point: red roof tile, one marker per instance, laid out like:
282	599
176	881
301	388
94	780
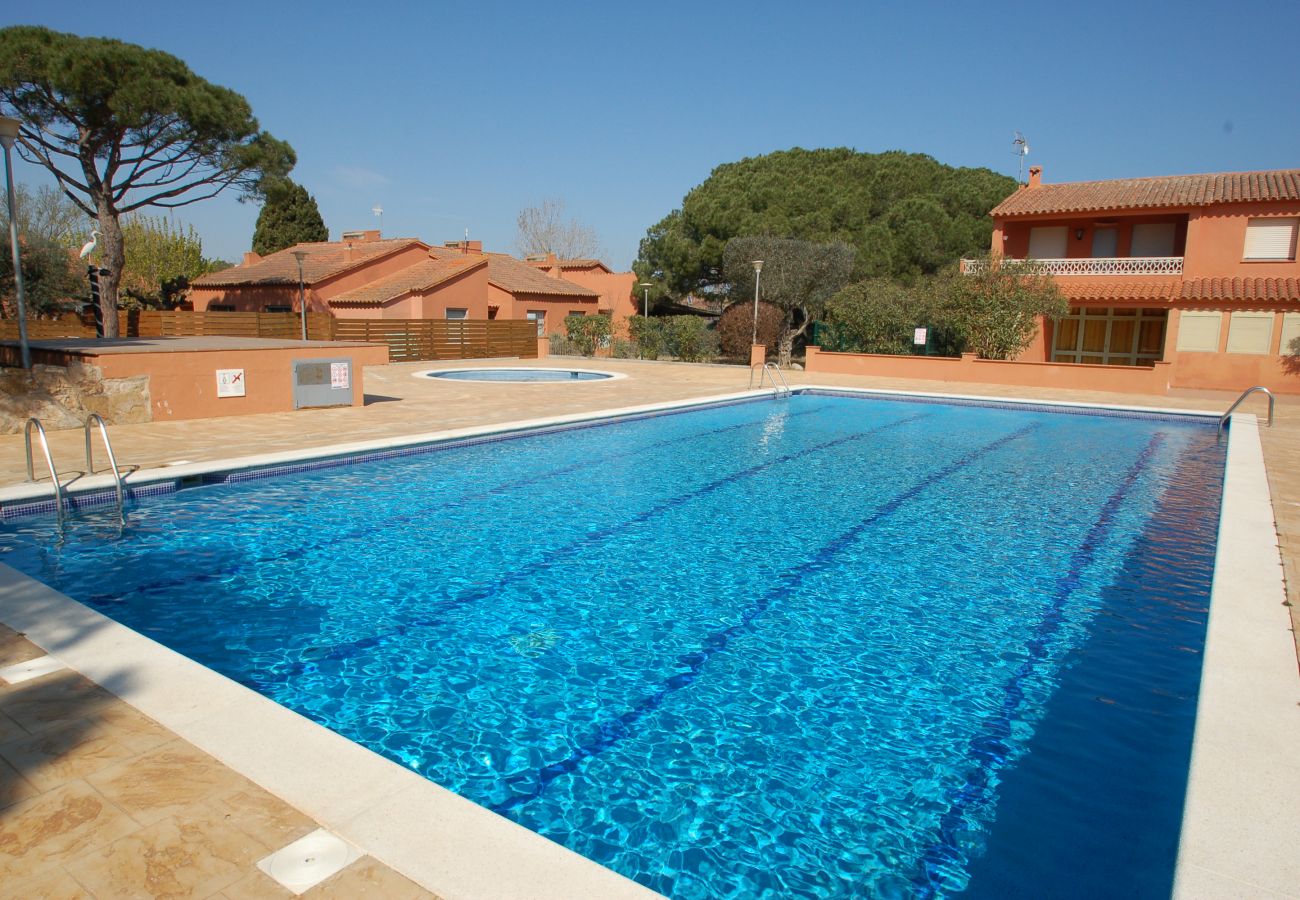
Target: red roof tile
1241	289
1107	289
324	260
419	277
519	277
1150	193
1192	289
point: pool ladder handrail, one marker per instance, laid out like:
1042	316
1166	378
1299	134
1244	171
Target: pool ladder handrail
97	419
771	372
1259	388
49	461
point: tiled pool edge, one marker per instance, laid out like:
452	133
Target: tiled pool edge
398	817
1243	779
443	842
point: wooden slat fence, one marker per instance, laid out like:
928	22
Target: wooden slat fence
407	339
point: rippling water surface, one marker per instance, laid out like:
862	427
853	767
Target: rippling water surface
825	646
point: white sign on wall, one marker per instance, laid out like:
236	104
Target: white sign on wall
918	337
340	376
230	382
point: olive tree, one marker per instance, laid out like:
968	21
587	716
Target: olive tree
122	127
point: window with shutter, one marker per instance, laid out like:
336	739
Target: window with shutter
1155	239
1270	239
1048	243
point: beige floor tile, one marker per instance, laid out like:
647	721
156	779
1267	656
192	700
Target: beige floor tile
10	730
56	884
15	648
14	788
57	826
368	878
59	755
195	853
265	817
164	781
257	885
52	700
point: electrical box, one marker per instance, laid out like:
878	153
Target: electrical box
322	382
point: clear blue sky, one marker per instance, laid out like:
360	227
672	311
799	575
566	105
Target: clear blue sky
457	115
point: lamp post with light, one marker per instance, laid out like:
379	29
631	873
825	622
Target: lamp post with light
645	303
300	255
8	135
758	273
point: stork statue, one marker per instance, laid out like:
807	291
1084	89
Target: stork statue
90	245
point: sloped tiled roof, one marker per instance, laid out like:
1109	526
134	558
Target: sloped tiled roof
519	277
1151	193
570	264
418	277
1191	289
324	260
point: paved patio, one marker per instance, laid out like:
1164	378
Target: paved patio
97	799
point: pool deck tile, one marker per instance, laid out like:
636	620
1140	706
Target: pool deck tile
96	797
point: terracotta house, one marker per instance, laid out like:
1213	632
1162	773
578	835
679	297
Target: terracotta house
1197	271
363	275
618	297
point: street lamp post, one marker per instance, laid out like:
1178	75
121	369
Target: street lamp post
8	135
300	255
758	273
645	303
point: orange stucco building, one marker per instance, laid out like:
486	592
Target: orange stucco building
617	290
366	276
1196	271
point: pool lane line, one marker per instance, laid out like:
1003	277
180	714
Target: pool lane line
367	531
483	592
612	732
988	751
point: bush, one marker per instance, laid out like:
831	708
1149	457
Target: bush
562	346
880	316
648	335
997	308
690	339
587	333
622	348
735	328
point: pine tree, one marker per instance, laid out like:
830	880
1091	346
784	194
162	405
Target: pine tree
289	216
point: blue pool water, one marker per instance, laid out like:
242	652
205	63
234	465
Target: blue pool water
519	375
825	646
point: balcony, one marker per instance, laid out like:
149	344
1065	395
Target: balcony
1119	265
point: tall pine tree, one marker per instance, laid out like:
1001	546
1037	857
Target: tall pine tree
289	216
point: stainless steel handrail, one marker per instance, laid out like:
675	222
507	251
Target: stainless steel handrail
772	372
1223	419
49	461
112	460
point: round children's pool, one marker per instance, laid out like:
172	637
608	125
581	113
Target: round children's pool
519	375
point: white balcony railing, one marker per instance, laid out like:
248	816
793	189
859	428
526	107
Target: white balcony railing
1120	265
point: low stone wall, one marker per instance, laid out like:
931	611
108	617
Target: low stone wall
62	397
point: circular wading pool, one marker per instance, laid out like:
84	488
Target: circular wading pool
519	375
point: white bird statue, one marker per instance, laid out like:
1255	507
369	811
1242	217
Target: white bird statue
90	245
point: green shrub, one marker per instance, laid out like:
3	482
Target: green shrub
690	339
648	335
588	333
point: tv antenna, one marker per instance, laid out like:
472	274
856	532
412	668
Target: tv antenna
1021	150
379	214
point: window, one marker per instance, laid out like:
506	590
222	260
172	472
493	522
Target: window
539	316
1105	243
1110	337
1290	333
1250	332
1199	331
1048	243
1153	240
457	314
1270	239
221	307
277	308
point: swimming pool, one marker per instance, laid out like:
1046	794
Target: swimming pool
792	647
518	375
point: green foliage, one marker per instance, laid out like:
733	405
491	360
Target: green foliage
735	328
122	127
996	309
798	278
587	333
880	316
161	260
52	281
689	338
648	335
289	216
905	213
46	214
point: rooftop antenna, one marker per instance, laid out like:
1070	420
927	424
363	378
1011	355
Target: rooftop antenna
1021	150
379	214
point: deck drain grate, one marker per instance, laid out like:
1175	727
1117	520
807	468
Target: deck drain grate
33	668
309	860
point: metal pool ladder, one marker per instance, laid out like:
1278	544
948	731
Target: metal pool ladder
1223	419
97	419
49	461
770	372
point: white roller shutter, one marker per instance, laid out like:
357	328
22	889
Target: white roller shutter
1156	239
1048	243
1270	239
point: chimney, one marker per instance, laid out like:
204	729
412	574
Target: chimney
250	257
1035	176
349	253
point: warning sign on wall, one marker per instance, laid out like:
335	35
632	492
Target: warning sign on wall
230	382
340	376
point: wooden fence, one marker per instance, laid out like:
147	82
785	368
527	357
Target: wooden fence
407	339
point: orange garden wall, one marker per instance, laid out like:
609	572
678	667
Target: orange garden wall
183	383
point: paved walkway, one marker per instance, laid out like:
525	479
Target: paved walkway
97	799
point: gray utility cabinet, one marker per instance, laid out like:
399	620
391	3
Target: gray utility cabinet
322	382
